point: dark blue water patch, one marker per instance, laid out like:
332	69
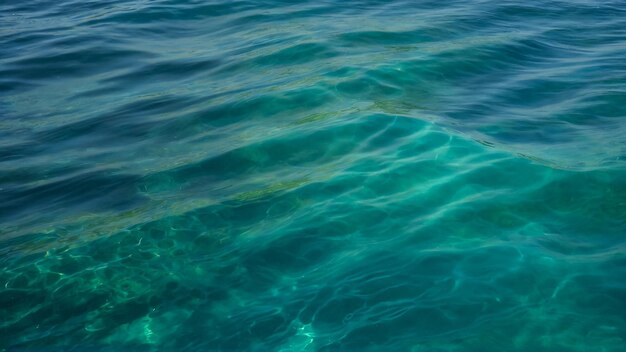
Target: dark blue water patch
68	64
176	11
166	71
78	193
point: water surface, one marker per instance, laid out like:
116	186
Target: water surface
312	176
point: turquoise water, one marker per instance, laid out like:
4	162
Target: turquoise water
312	176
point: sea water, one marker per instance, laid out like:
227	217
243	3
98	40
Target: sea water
272	175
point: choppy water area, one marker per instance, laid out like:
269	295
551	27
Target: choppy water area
312	176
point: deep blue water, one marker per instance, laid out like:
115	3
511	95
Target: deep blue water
312	176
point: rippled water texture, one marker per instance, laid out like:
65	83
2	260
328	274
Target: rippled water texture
312	176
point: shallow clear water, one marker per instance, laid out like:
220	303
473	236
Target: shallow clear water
313	176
